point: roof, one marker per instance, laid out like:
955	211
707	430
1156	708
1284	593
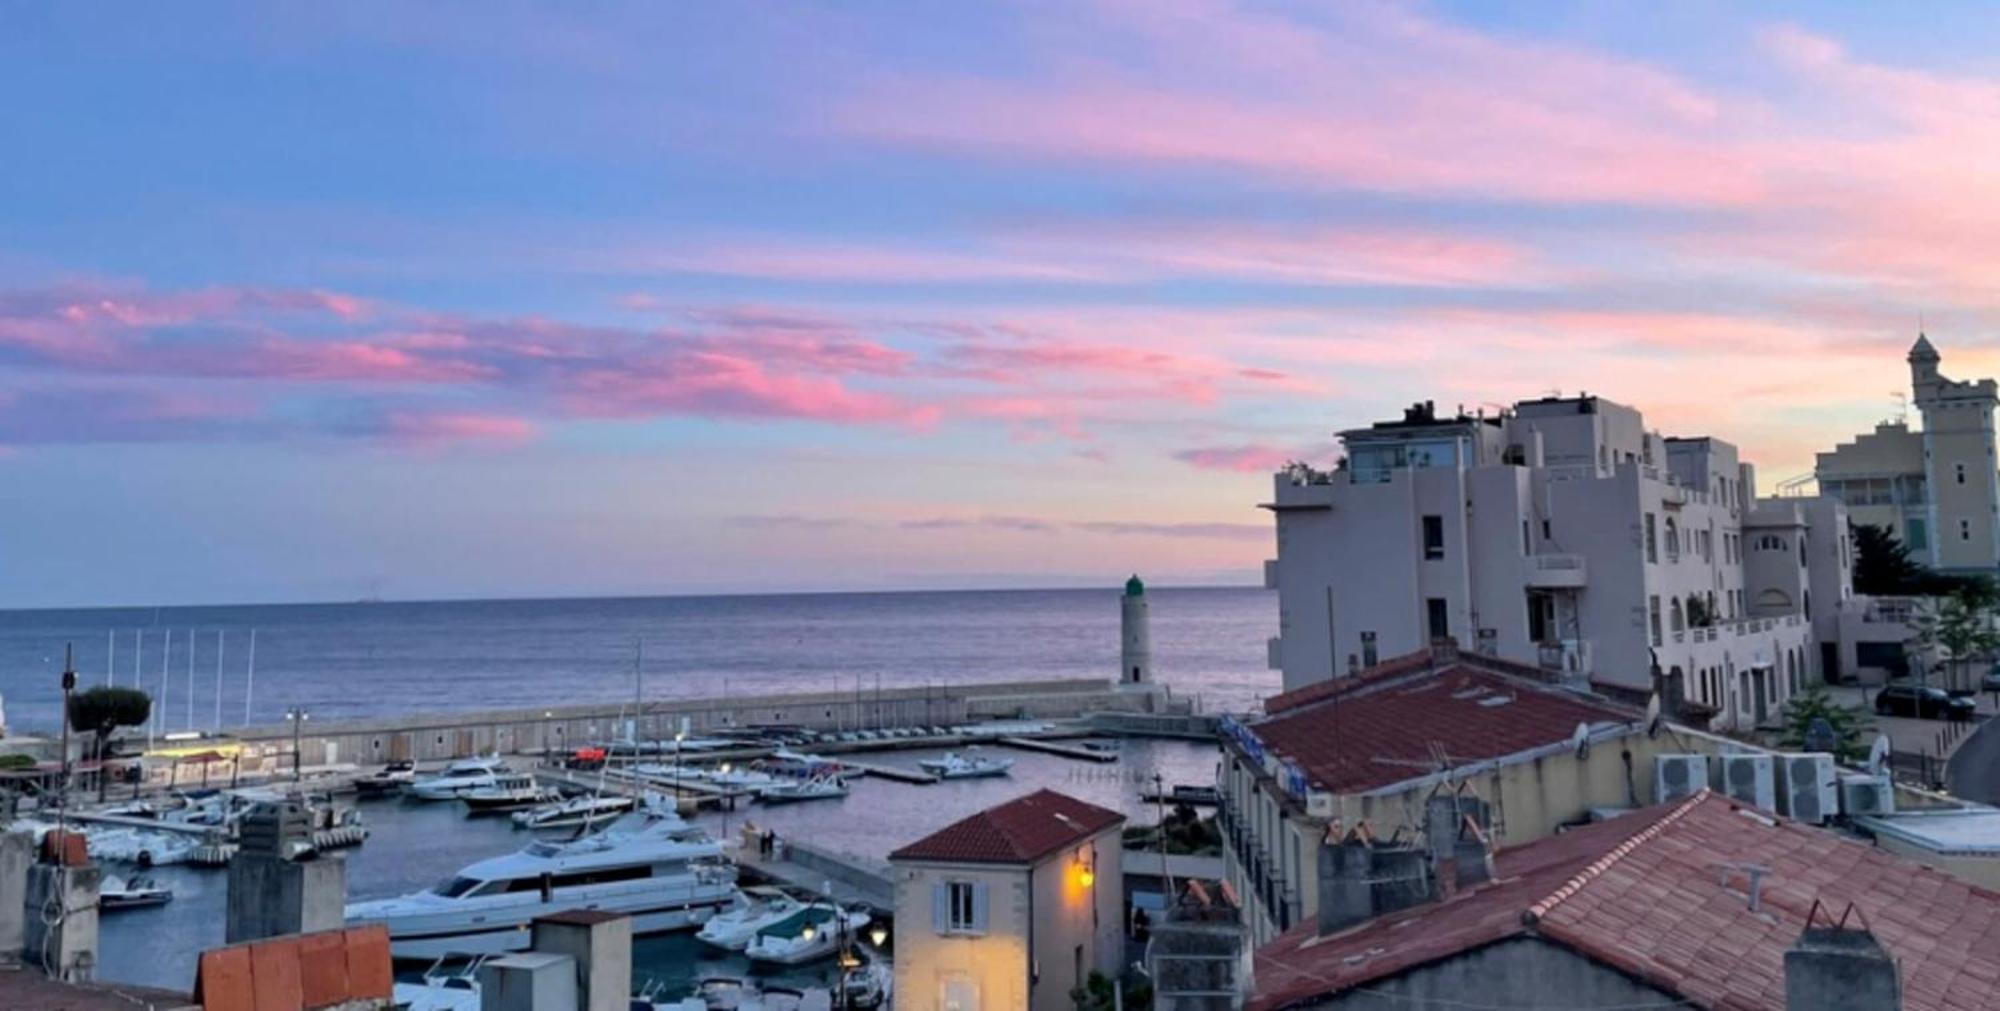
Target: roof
1382	726
1021	831
32	991
1645	894
1922	347
1971	831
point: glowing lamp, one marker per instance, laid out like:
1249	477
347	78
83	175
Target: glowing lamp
879	934
807	933
1088	876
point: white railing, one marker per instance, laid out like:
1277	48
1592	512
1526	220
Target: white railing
1556	563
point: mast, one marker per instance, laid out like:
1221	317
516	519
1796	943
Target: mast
160	705
218	679
110	656
250	677
190	699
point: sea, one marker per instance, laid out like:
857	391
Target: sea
378	659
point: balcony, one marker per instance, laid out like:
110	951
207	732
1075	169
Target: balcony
1569	656
1556	572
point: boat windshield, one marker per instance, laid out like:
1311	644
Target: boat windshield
452	888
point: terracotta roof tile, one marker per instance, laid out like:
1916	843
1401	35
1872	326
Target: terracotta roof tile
1020	831
1598	891
1380	730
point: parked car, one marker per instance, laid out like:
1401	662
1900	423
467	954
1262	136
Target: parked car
1991	682
1923	703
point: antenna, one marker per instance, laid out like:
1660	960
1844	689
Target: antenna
1579	741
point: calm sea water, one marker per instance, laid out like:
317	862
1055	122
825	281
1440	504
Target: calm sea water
348	660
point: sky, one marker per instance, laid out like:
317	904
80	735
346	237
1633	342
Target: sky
327	301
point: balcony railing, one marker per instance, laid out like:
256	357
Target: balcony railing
1557	571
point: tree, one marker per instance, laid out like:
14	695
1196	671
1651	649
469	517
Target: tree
1096	994
1960	628
1882	565
100	711
1803	709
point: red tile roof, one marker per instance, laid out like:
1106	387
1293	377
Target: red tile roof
1021	831
1645	894
1383	726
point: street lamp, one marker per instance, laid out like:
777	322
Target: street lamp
297	716
679	735
878	933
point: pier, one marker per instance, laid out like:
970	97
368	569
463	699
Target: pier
1075	751
855	880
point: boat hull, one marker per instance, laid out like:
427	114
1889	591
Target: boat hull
433	935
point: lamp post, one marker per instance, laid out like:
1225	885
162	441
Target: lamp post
679	735
297	716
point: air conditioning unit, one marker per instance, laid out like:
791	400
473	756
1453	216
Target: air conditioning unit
1677	776
1812	787
1862	794
1749	779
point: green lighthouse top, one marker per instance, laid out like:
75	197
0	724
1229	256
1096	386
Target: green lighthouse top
1135	588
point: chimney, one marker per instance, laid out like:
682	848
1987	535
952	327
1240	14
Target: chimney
1459	849
1841	968
1360	879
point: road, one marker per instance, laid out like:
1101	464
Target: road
1974	770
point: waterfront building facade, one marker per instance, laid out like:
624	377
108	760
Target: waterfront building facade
1010	908
1938	489
1559	533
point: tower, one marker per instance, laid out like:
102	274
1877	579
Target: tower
1962	485
1136	667
1924	377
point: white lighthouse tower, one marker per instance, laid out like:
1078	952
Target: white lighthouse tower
1137	656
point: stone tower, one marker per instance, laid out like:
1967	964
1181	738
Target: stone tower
1960	471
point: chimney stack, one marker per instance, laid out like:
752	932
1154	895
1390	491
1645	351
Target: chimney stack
1360	879
1840	968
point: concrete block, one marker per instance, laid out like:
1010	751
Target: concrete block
68	896
528	981
17	853
601	944
269	897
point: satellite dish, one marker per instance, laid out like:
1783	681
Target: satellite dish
1580	741
1653	715
1878	755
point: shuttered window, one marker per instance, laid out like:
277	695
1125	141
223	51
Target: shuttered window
958	907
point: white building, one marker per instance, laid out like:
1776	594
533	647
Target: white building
1937	490
1011	908
1560	533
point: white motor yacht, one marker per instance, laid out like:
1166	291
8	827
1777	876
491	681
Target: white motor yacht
813	932
130	893
459	777
649	865
755	909
514	791
442	989
588	809
955	765
793	791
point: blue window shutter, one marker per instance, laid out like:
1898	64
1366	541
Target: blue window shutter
979	908
940	908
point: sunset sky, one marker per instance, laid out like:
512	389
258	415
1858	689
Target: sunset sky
321	301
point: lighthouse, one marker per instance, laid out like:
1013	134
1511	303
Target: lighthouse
1137	656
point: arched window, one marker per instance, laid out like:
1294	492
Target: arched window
1673	540
1774	601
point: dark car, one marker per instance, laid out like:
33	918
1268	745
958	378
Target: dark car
1922	702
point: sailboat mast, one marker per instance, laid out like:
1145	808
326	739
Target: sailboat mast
218	679
250	677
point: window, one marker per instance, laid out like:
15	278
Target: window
1916	535
959	907
1546	534
1958	472
1653	613
1652	540
1673	540
1677	623
1802	549
1527	547
1964	530
1433	537
1438	615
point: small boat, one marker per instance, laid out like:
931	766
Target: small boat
734	927
513	791
143	848
459	777
583	810
131	893
812	933
442	989
867	985
958	766
725	993
392	779
815	788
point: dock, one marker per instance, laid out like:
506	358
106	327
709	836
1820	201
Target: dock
900	775
1075	751
855	880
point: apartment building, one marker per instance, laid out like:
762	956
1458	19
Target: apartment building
1560	533
1938	489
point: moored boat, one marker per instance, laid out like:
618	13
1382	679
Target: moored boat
588	809
794	791
458	778
955	765
515	791
755	909
131	893
814	932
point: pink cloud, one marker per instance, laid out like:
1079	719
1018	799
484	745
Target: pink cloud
1251	459
426	429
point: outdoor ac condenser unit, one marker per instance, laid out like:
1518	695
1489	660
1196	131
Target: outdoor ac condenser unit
1749	779
1812	789
1862	795
1677	776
